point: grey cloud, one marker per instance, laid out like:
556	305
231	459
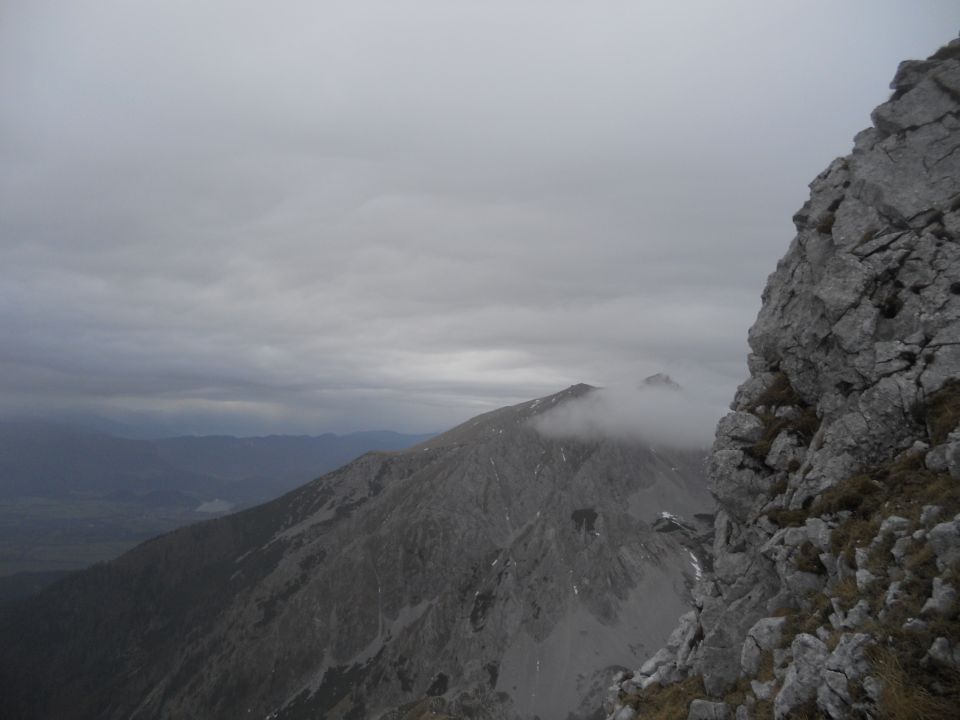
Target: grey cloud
344	215
657	415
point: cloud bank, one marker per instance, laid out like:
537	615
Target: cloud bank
657	415
345	215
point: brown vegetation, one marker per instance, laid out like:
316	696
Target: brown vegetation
942	411
781	394
905	696
670	702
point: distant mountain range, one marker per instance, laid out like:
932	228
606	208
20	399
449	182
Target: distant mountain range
71	496
39	459
490	572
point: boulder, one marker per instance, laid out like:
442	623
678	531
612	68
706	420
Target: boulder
848	662
706	710
804	675
942	600
763	637
944	539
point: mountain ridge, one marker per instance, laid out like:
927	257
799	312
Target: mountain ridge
490	568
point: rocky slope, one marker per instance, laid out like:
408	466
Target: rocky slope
837	475
489	572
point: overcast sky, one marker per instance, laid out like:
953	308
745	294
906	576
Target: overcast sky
328	216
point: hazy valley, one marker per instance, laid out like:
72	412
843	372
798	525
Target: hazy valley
70	497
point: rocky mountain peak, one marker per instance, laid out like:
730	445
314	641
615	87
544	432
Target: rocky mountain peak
837	475
661	380
506	419
490	572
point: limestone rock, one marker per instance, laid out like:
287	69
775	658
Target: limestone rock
762	637
900	548
929	513
952	454
818	532
942	600
763	690
865	579
847	663
895	525
945	541
859	326
803	676
705	710
945	653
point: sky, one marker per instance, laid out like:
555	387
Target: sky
248	217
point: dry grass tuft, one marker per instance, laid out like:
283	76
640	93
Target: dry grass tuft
783	517
853	534
765	671
906	696
942	411
781	394
825	225
738	695
806	711
778	488
849	495
846	592
804	427
900	487
670	702
762	710
807	620
807	559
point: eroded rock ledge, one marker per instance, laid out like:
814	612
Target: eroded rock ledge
837	475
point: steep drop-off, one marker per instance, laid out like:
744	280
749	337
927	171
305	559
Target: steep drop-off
837	540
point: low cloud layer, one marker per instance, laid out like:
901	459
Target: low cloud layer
345	215
656	415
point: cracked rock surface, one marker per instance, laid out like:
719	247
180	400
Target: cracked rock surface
836	544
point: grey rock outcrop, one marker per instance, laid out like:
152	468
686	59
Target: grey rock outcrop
803	676
846	664
846	427
945	541
763	637
704	710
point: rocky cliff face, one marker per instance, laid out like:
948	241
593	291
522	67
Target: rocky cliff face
837	475
490	572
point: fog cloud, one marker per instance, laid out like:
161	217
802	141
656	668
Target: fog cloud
658	415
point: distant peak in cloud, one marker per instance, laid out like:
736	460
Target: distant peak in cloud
660	380
658	411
